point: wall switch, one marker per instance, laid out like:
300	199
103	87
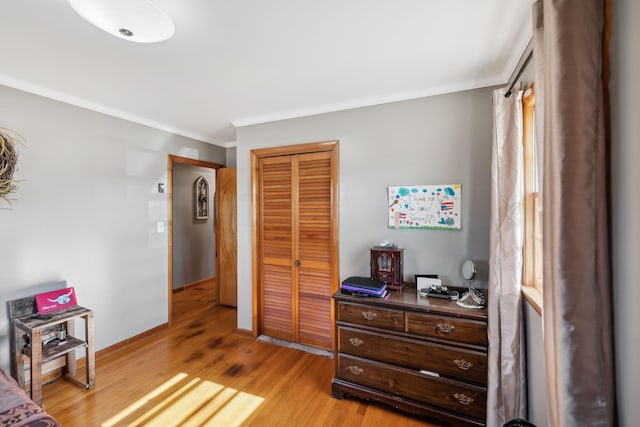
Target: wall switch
160	187
160	226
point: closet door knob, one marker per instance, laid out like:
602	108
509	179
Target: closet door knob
297	263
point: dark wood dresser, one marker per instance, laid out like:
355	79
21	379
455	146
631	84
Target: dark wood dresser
426	356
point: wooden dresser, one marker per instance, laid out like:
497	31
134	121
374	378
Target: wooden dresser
426	356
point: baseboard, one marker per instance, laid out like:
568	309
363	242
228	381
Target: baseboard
245	333
137	338
52	370
129	341
193	284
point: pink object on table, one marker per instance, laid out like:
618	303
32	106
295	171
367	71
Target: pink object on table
56	300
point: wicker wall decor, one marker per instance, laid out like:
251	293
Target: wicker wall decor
8	160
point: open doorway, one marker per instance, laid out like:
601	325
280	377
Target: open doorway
191	230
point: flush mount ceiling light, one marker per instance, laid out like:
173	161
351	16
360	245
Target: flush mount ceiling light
135	20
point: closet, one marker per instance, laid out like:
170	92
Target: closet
297	260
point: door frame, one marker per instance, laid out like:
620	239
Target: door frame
256	156
171	159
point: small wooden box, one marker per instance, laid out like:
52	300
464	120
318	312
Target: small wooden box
386	266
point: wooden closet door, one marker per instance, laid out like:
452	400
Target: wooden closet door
296	247
276	274
314	249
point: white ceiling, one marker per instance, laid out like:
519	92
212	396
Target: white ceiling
238	62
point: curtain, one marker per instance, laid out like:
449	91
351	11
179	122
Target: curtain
506	388
577	310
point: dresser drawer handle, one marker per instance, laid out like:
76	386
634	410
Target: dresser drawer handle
463	399
465	365
445	327
369	315
356	342
355	370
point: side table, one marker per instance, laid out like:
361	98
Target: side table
28	340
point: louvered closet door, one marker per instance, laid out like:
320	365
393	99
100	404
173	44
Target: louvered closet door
277	251
314	249
296	273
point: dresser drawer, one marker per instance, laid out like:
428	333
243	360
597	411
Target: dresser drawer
371	316
445	360
450	328
462	398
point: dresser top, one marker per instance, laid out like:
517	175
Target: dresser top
408	298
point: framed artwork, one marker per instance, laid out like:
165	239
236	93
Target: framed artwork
435	207
201	198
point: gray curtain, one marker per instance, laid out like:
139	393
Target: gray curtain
506	388
577	312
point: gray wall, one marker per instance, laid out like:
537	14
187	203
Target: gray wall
194	240
87	211
625	109
231	157
437	140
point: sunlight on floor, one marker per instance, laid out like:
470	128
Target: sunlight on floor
184	401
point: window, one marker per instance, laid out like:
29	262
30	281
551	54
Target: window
532	271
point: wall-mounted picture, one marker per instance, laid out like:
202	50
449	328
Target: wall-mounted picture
435	207
201	198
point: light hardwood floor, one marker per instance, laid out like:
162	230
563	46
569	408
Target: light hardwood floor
201	373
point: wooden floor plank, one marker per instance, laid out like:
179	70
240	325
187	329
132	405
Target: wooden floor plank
200	372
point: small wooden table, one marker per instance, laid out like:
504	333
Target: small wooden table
28	340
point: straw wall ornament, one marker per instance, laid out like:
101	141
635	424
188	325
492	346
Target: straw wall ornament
8	161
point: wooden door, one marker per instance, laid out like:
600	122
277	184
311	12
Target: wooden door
314	249
298	248
277	247
226	246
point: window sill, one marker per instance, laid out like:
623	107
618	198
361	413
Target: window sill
533	297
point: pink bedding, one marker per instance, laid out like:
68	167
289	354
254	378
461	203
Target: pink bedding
17	409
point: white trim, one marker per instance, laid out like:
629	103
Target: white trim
367	102
114	112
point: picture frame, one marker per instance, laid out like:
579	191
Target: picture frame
201	198
426	280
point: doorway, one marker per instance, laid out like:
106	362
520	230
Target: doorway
184	259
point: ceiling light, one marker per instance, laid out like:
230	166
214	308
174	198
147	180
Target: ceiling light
135	20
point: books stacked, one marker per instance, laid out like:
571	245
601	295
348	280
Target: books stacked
364	287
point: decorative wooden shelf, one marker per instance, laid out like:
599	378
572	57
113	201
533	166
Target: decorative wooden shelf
56	348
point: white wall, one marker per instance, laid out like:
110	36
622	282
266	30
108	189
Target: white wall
194	240
437	140
86	213
625	110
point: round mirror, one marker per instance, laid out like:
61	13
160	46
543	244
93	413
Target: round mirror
469	270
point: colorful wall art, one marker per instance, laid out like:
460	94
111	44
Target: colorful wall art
435	207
